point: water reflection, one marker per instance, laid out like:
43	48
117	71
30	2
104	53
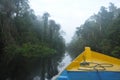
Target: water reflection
36	78
66	60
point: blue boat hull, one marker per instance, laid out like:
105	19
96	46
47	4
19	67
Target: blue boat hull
89	75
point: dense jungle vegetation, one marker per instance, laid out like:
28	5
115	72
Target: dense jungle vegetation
30	45
33	45
101	32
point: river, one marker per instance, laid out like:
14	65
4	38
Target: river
66	60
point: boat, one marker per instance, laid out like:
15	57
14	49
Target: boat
91	65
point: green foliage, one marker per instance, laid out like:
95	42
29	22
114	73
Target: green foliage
101	32
11	52
29	41
29	50
116	51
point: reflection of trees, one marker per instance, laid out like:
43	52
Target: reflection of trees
29	46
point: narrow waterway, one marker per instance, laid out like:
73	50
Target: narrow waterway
66	60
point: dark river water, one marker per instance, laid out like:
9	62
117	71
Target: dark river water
66	60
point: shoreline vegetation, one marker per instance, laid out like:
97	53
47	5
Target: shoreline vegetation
30	45
33	45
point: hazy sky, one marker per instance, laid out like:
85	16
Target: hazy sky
69	13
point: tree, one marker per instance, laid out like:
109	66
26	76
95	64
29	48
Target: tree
100	32
30	45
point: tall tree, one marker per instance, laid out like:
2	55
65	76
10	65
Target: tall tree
30	45
98	31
